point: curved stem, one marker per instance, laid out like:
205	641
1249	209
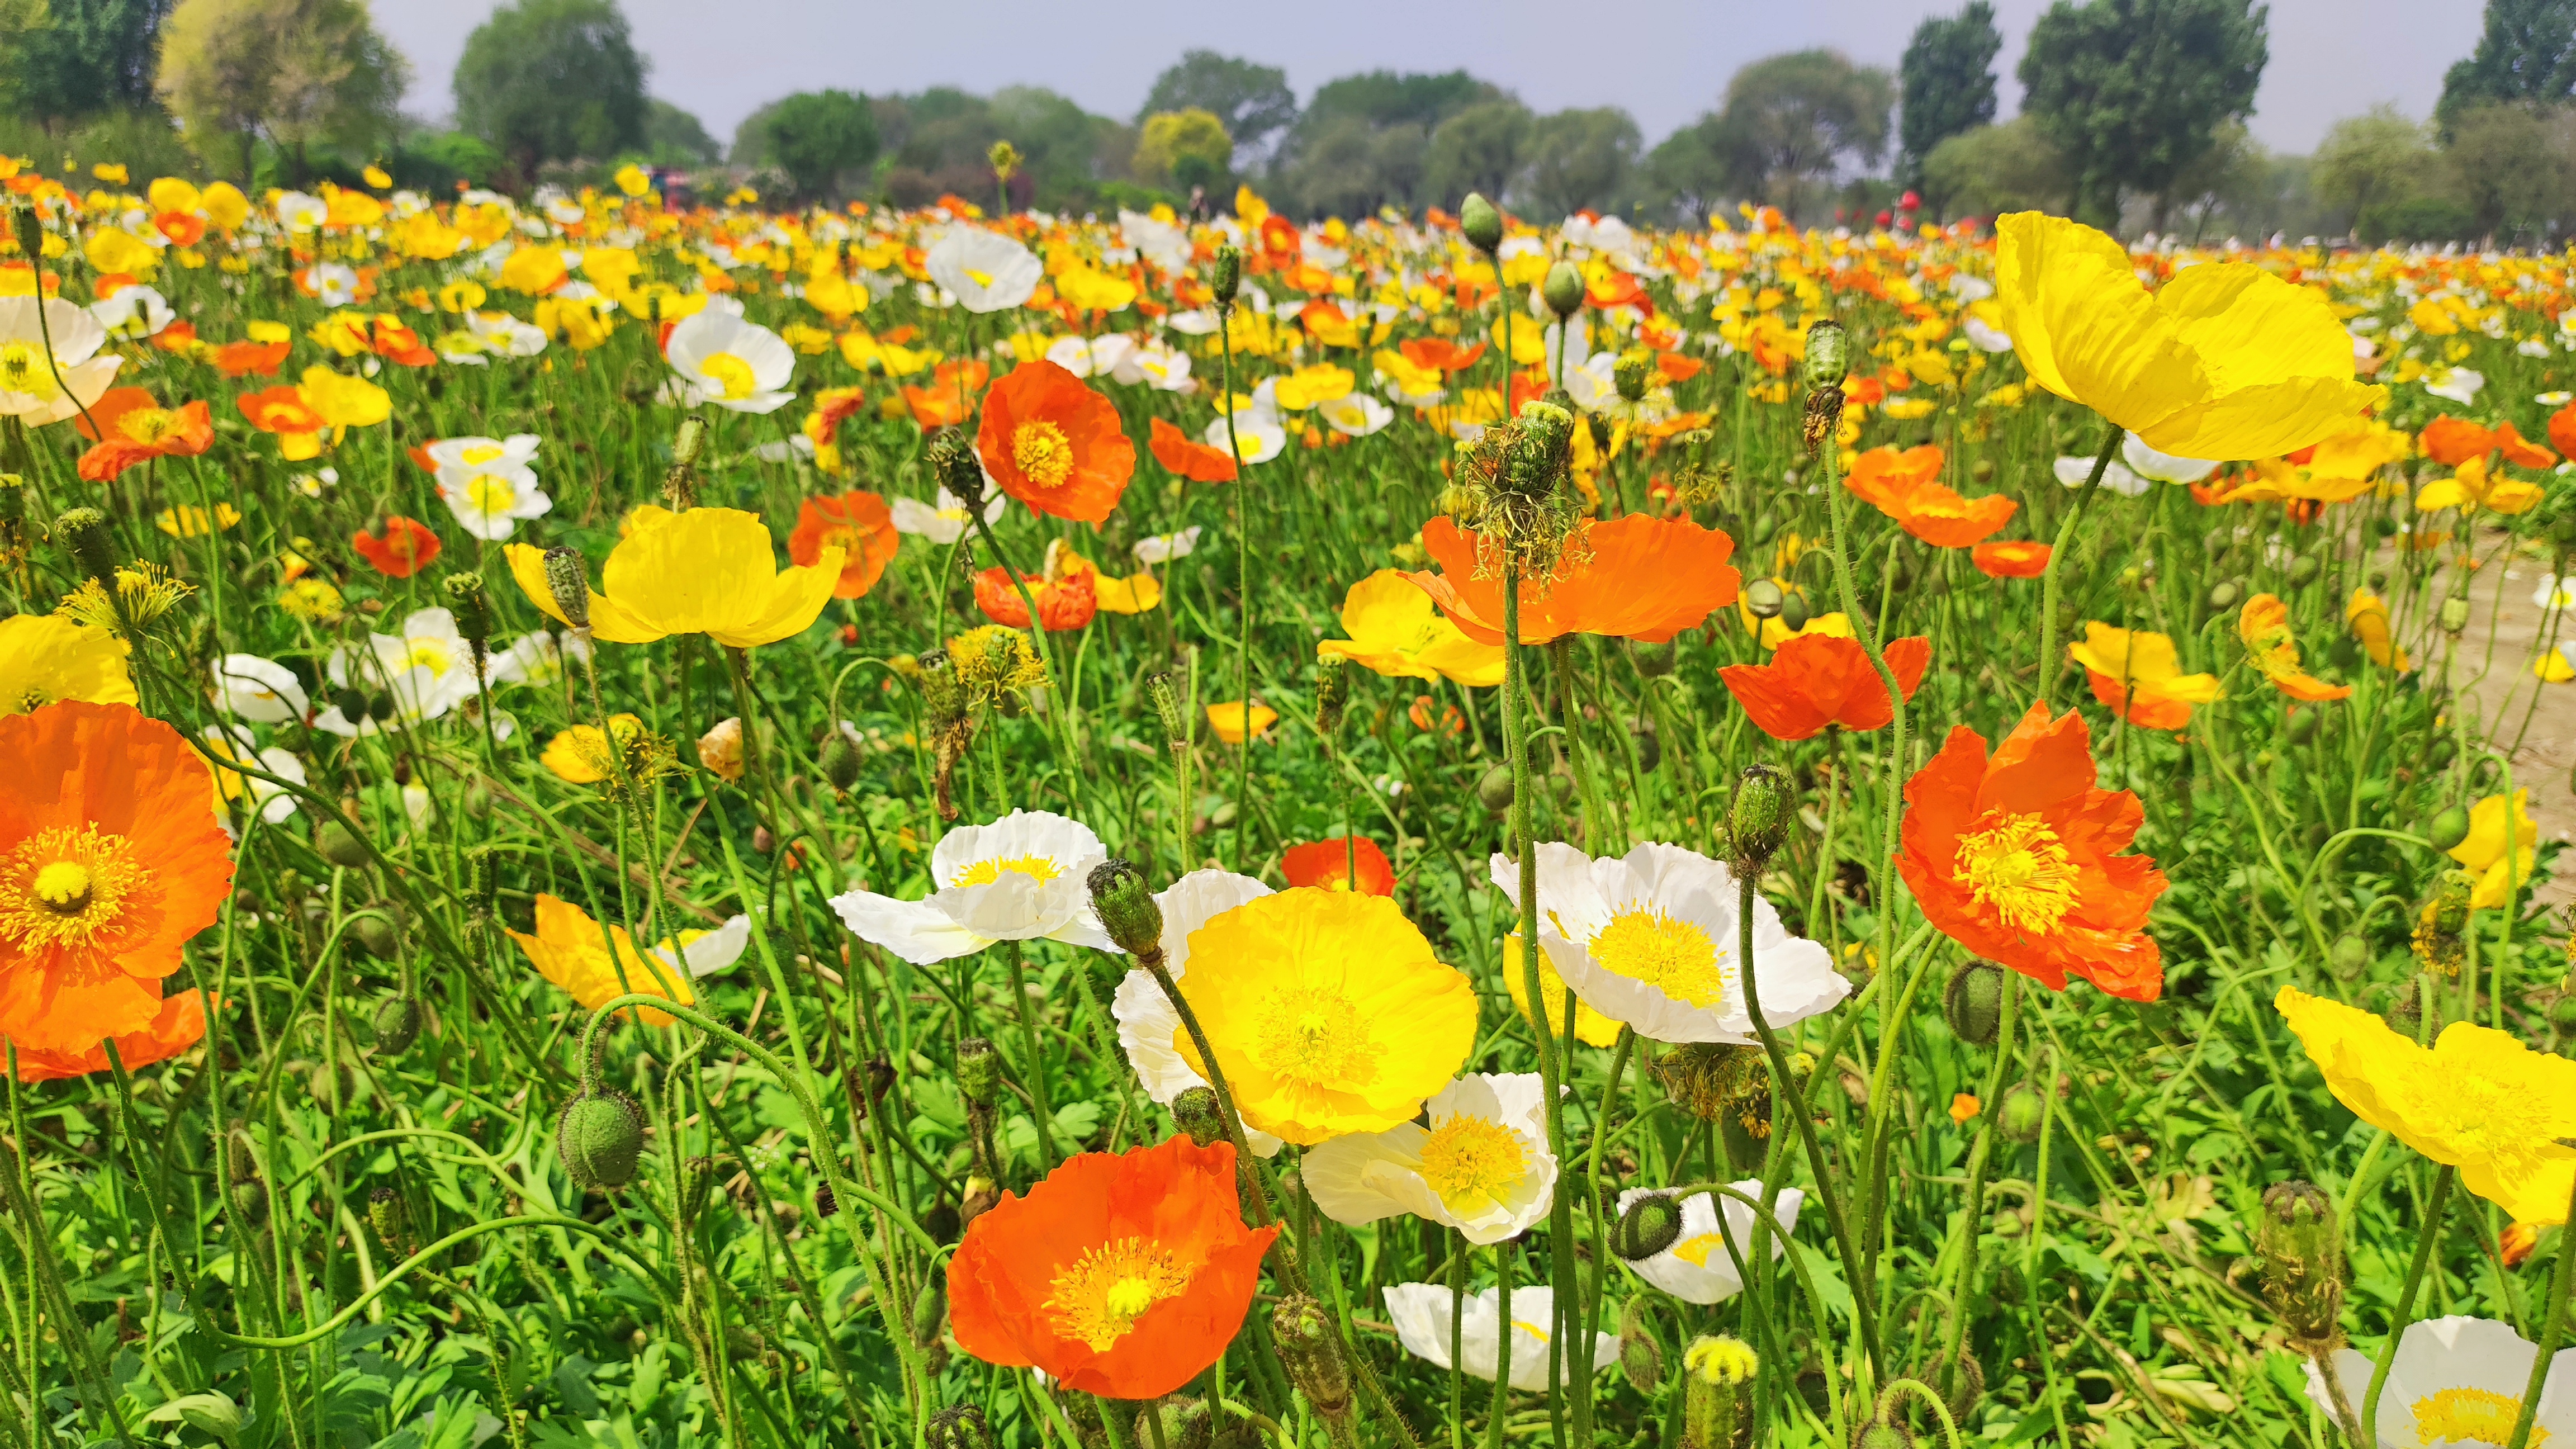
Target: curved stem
2553	1321
2424	1241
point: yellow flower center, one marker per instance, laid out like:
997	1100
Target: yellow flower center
1043	453
981	279
148	425
428	652
1696	1249
1038	868
1672	956
731	375
2020	871
476	457
1313	1036
1101	1295
842	537
25	368
2470	1416
1472	1159
490	494
64	886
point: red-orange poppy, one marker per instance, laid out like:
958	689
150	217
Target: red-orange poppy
2562	430
1634	577
1187	456
110	859
857	523
403	549
134	428
183	228
1328	863
179	336
238	359
2453	441
1123	1275
1279	237
2011	558
1815	680
1440	353
1677	367
2014	856
282	409
1054	444
1901	486
937	407
179	1025
1617	290
399	344
1066	603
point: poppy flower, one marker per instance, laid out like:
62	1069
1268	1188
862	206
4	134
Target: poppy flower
2475	486
2264	625
2457	1380
2337	470
1065	603
1054	444
2011	558
937	407
1121	1274
1397	631
239	359
2483	853
1329	864
860	525
1900	485
1638	577
1697	1266
2225	360
403	549
2013	855
2452	441
46	657
28	387
2139	676
1439	354
2562	429
179	1025
1815	680
2367	615
1481	1166
110	859
708	571
1134	594
1179	453
1426	1320
569	949
1018	879
1148	1026
1232	721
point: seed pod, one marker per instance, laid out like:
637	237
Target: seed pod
1764	598
1535	454
569	582
599	1137
1758	820
979	1071
473	611
1647	1226
1828	359
1717	1393
2024	1111
2455	614
2302	1248
1563	290
1128	911
391	1219
397	1024
84	532
340	845
1197	1112
1481	222
1973	1002
1310	1349
1494	790
1225	274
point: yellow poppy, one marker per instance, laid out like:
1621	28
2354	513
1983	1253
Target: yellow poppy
343	401
2141	674
2337	470
2473	487
1836	625
1397	631
1308	386
1229	720
2264	625
2225	361
570	950
2478	1100
50	657
579	756
2367	613
1590	1027
2483	849
710	571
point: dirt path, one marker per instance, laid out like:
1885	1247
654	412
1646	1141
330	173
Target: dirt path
2500	639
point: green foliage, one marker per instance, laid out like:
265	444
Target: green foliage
2376	159
1995	169
2512	166
552	80
819	137
1582	160
1182	148
1251	102
674	137
295	74
2526	52
62	60
1948	82
2133	91
1480	148
2417	219
1788	124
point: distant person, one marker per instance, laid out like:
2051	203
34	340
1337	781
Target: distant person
1198	203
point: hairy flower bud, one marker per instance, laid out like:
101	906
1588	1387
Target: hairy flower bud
2302	1248
2448	828
2024	1112
28	226
473	611
340	845
1563	290
391	1218
953	462
599	1137
1828	359
1647	1226
1310	1348
1758	821
1332	693
1717	1393
397	1024
1494	790
1197	1112
1165	693
1481	222
1127	909
2455	614
963	1427
84	532
1974	1002
569	582
840	762
1630	375
1641	1357
1225	274
979	1071
1005	158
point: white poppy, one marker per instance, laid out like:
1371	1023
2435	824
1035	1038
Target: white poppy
258	689
311	484
1155	365
334	284
944	520
134	312
1162	548
2554	399
297	211
1985	338
1355	414
704	953
489	500
2456	1381
506	335
1593	386
1194	322
462	349
29	391
1021	878
1148	1026
984	270
2146	462
427	670
1968	287
1256	432
1092	356
735	364
2459	384
1697	1268
1482	1166
2073	471
1650	939
1165	244
515	451
1421	1315
2532	347
539	658
270	800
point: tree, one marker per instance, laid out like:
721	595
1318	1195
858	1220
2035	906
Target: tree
68	59
1380	122
1948	82
1995	169
1692	171
817	136
1477	149
674	137
1582	160
2232	175
2134	90
1792	120
1182	148
2509	166
552	80
293	72
2378	158
2526	52
1251	102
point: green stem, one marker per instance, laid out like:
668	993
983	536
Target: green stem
2430	1234
2553	1321
2048	670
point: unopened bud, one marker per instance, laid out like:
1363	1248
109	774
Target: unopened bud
840	762
1795	611
28	226
391	1219
473	611
1717	1393
1332	692
599	1137
1165	692
2302	1250
1494	790
340	845
1563	290
1310	1347
1828	359
2455	614
1005	158
1764	598
979	1071
1630	373
1128	911
1647	1226
397	1024
953	462
2448	829
1641	1357
1758	821
1197	1113
84	532
1481	222
963	1427
569	582
1974	1003
1225	274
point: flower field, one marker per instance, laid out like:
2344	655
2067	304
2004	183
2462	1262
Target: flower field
708	824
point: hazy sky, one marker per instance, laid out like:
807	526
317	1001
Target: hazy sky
1665	60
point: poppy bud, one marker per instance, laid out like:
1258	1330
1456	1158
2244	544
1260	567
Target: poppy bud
250	1202
1795	612
1196	1112
377	937
599	1137
1563	290
341	846
84	532
2562	1014
689	441
1127	909
2024	1112
930	1310
1717	1393
1225	274
473	612
1332	692
397	1024
1959	1387
979	1071
1887	1433
1481	222
29	227
1534	457
2348	958
953	462
1494	790
1641	1358
2455	614
391	1219
1653	660
697	1184
1647	1226
1824	414
1974	1003
2303	570
482	880
2448	828
1629	375
1764	598
2302	1250
1758	822
1165	693
2223	596
962	1427
570	584
1828	356
840	762
1983	470
1310	1347
826	1202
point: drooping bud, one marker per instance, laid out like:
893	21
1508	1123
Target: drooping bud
840	762
1653	660
28	225
1641	1357
1127	909
84	532
1494	790
1974	1002
569	582
1764	598
2448	829
1225	274
473	611
1563	290
391	1219
1630	374
1828	359
2349	957
1310	1348
2302	1248
1332	693
397	1024
340	845
1758	821
1647	1226
1795	612
1481	222
599	1137
1197	1112
979	1071
963	1427
482	880
1960	1388
2023	1113
1717	1393
2455	614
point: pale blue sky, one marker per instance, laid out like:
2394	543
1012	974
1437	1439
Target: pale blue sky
1665	60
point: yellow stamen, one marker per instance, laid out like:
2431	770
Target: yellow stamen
731	375
2470	1416
1038	868
1673	956
1101	1295
1314	1036
1043	453
67	885
1470	1160
2020	871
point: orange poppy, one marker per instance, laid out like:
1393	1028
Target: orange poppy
134	428
2014	856
2011	558
235	359
1637	577
282	409
179	336
396	343
2453	441
110	859
2562	430
1328	863
1122	1274
859	524
1815	680
1440	353
403	549
180	1024
1055	445
1180	453
1676	367
182	228
2264	625
1065	603
1900	485
937	407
